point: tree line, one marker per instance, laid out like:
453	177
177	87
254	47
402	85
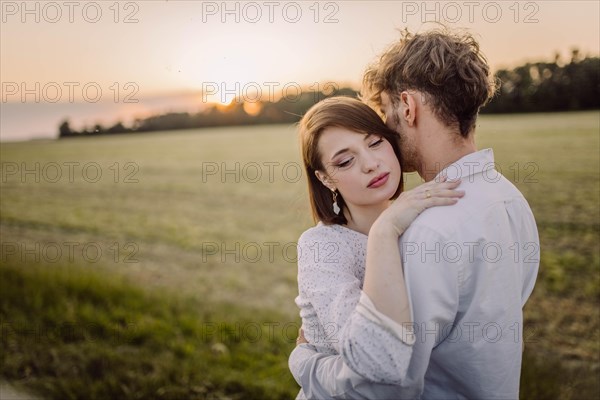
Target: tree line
532	87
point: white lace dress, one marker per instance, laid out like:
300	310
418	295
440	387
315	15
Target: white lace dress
331	270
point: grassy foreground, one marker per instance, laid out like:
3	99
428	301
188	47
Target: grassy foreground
78	334
173	274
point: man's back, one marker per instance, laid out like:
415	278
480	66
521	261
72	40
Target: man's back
469	270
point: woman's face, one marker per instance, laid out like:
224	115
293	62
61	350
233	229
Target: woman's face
363	168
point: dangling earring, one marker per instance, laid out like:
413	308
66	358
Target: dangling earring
336	208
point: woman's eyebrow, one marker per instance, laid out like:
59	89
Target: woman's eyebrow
367	136
339	152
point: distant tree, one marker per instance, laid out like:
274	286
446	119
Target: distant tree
64	130
542	86
97	130
118	128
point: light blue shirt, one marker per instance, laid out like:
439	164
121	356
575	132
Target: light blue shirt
469	269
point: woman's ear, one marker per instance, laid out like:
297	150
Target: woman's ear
324	180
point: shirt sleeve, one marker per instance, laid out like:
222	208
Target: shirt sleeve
376	351
325	376
366	308
522	216
374	359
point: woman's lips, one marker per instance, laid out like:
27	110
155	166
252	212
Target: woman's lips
379	180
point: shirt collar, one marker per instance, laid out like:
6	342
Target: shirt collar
471	164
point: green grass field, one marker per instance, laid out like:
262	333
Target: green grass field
163	265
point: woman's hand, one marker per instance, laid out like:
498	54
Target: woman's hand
301	339
403	211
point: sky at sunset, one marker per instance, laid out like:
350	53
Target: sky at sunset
104	60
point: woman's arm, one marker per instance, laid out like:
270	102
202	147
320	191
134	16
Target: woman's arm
366	341
384	277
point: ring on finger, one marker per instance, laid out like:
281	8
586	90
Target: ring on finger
427	194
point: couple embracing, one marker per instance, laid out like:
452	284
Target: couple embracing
418	293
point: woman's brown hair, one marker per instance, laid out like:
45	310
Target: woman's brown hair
342	112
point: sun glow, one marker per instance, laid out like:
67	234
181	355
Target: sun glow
232	64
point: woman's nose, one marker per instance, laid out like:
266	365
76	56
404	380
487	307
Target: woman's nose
370	163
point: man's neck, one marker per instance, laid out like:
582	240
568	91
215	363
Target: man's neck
442	149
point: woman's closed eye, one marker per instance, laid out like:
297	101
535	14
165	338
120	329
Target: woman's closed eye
376	143
344	163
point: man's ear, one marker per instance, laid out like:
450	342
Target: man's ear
325	180
408	107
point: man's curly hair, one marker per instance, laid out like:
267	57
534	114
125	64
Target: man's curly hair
447	67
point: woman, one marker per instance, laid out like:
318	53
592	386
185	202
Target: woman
352	163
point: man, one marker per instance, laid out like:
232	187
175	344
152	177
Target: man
468	268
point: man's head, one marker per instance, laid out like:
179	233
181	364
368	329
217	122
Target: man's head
436	74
